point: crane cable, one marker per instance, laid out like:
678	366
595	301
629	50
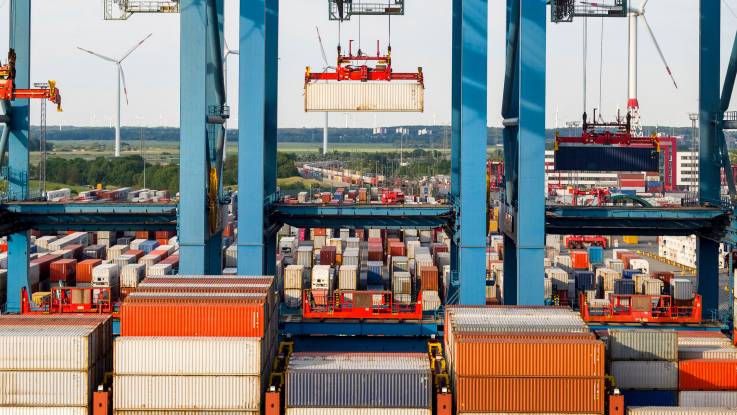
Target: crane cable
601	65
585	58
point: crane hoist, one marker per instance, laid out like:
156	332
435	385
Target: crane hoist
8	91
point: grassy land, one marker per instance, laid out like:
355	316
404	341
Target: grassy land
34	184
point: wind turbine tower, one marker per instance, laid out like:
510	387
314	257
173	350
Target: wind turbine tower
119	78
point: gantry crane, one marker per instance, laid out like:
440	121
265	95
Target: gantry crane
123	9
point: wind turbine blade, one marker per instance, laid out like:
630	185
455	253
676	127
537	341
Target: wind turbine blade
657	46
731	10
97	54
125	88
643	3
135	47
322	48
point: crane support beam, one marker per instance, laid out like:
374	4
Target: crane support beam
259	24
468	136
363	216
200	246
523	217
709	162
18	162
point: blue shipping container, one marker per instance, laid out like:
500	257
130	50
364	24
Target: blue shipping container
375	273
584	280
586	157
629	273
596	254
148	246
624	287
650	398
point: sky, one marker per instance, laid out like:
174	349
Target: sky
420	38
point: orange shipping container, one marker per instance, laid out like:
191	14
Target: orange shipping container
429	277
63	270
142	234
539	358
84	270
319	232
580	259
187	317
702	374
530	395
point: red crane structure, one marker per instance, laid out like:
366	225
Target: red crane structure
8	91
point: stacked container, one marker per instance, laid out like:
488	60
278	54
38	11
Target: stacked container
293	285
358	383
707	371
645	365
348	277
52	364
170	353
523	360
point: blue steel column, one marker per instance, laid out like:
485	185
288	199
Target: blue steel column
455	136
18	165
251	137
271	101
531	153
472	65
198	249
709	166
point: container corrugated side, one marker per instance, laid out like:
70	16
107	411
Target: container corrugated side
26	410
364	96
645	375
725	353
358	411
703	374
675	410
30	388
554	395
727	399
48	348
188	355
165	412
187	392
643	345
534	357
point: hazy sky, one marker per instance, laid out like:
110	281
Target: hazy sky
420	38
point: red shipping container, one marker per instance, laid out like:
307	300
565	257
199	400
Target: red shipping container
397	248
162	252
429	278
163	241
193	315
328	255
135	252
84	270
375	253
76	251
579	259
63	270
3	246
703	374
360	234
171	259
229	230
438	248
664	276
631	176
165	235
319	232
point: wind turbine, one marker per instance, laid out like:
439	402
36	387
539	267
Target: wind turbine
120	77
226	53
324	69
633	106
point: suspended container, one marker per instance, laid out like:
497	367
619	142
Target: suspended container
364	97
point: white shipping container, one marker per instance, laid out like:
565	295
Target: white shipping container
188	356
159	269
614	264
645	375
294	277
564	260
430	301
321	277
348	277
53	388
364	96
136	243
115	251
727	399
701	352
107	275
131	275
675	410
231	256
304	256
401	283
605	278
559	277
124	260
292	297
187	392
641	264
652	286
49	347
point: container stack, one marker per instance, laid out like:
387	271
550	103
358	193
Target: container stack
358	383
293	285
175	333
707	371
523	360
52	364
644	364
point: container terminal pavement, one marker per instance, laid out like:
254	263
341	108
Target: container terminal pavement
337	306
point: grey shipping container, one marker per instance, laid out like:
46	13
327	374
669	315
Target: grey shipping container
643	345
676	410
726	399
645	375
358	380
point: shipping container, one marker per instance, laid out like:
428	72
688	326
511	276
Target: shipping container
35	347
379	380
650	398
48	388
675	410
29	410
726	399
530	395
645	375
703	374
187	392
643	345
358	411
